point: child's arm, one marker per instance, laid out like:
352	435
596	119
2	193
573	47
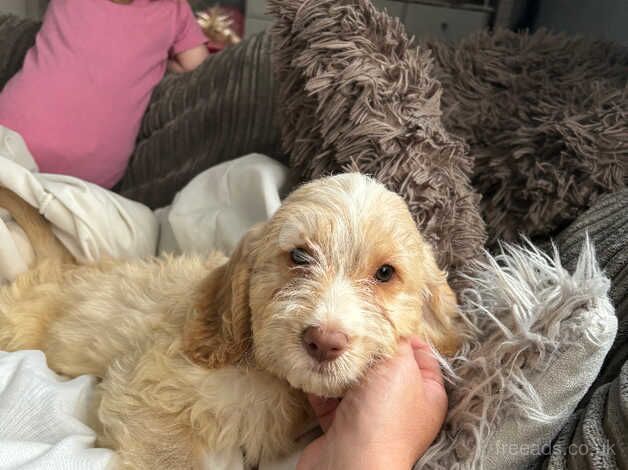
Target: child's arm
188	60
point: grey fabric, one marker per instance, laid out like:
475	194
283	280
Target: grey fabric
536	340
357	95
222	110
596	437
17	35
607	226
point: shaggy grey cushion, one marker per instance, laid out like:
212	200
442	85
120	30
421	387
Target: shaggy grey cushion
536	340
356	95
546	119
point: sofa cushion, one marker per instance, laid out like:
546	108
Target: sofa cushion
536	341
357	95
546	119
222	110
606	224
17	35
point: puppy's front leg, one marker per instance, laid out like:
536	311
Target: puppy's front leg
169	455
146	432
151	441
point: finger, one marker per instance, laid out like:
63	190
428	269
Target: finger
417	342
427	362
404	348
324	409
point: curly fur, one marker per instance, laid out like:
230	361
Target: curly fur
546	119
206	355
356	95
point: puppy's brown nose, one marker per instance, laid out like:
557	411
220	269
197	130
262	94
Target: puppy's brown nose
324	344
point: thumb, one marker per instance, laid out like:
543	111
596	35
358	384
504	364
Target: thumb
324	409
428	364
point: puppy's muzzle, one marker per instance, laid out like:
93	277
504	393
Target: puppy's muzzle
324	344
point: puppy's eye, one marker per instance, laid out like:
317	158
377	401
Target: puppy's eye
300	257
385	273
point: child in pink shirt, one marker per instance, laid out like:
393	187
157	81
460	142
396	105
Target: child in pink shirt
80	96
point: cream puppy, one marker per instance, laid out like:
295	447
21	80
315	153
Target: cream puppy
201	355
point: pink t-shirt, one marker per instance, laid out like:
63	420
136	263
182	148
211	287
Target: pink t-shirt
80	96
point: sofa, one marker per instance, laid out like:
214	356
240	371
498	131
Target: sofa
230	106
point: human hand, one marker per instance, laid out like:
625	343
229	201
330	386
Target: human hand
387	421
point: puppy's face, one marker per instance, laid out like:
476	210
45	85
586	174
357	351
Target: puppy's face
337	276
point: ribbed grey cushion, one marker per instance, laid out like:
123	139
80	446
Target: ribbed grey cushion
222	110
17	35
607	226
596	437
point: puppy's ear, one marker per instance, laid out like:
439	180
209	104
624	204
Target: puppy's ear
221	333
441	314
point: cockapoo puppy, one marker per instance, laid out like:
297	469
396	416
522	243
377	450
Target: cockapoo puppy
199	355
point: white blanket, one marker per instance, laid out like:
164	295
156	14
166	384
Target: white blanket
90	221
219	205
42	416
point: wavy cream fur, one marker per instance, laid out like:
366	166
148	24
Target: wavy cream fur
200	355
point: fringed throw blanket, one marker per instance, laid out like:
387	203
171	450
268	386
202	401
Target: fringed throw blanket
546	119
